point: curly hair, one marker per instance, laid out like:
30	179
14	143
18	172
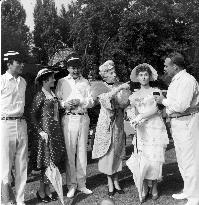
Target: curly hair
105	67
143	68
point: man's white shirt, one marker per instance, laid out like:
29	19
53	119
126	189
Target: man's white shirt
69	88
182	94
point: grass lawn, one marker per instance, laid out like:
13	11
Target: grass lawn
97	182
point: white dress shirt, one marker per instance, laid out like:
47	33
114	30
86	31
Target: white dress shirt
182	94
68	89
12	95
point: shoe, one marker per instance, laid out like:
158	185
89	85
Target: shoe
155	196
85	190
143	199
71	192
40	199
111	193
119	191
8	203
192	201
52	197
179	196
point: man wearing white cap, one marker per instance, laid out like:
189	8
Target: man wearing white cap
182	106
14	140
74	94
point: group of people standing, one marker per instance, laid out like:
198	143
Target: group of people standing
66	136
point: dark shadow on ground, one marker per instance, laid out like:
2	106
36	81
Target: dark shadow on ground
78	197
172	181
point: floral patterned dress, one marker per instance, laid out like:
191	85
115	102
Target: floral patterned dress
44	117
109	140
152	137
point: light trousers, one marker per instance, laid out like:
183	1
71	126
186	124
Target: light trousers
185	132
14	151
75	128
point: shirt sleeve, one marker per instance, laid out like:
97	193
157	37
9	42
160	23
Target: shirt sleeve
182	99
87	101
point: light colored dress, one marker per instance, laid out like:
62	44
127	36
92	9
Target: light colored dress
109	140
152	136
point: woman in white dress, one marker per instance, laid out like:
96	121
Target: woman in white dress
152	137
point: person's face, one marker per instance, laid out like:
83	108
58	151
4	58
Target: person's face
110	76
74	71
169	67
143	77
51	81
16	68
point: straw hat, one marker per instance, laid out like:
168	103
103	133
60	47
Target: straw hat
73	61
43	72
153	77
13	55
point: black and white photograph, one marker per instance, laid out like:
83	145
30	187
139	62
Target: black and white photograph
99	102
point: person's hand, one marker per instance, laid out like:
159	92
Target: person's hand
71	104
124	86
159	98
75	102
44	136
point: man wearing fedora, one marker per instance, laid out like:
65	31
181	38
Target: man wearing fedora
74	94
182	107
14	140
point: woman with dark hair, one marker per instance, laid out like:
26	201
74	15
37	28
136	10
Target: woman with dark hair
151	133
109	140
48	134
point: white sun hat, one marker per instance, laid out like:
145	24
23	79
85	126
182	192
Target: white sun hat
154	74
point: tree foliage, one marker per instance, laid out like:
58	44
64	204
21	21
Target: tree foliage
46	32
131	32
127	31
15	34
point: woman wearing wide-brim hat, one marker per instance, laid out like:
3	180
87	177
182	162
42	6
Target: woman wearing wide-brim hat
47	130
151	132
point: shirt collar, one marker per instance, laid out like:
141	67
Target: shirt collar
47	94
70	77
9	76
178	75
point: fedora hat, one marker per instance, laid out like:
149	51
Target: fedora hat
154	74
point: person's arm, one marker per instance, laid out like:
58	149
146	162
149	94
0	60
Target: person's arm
87	101
36	112
149	114
68	105
114	91
183	97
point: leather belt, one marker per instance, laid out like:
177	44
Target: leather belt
12	118
175	115
72	113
